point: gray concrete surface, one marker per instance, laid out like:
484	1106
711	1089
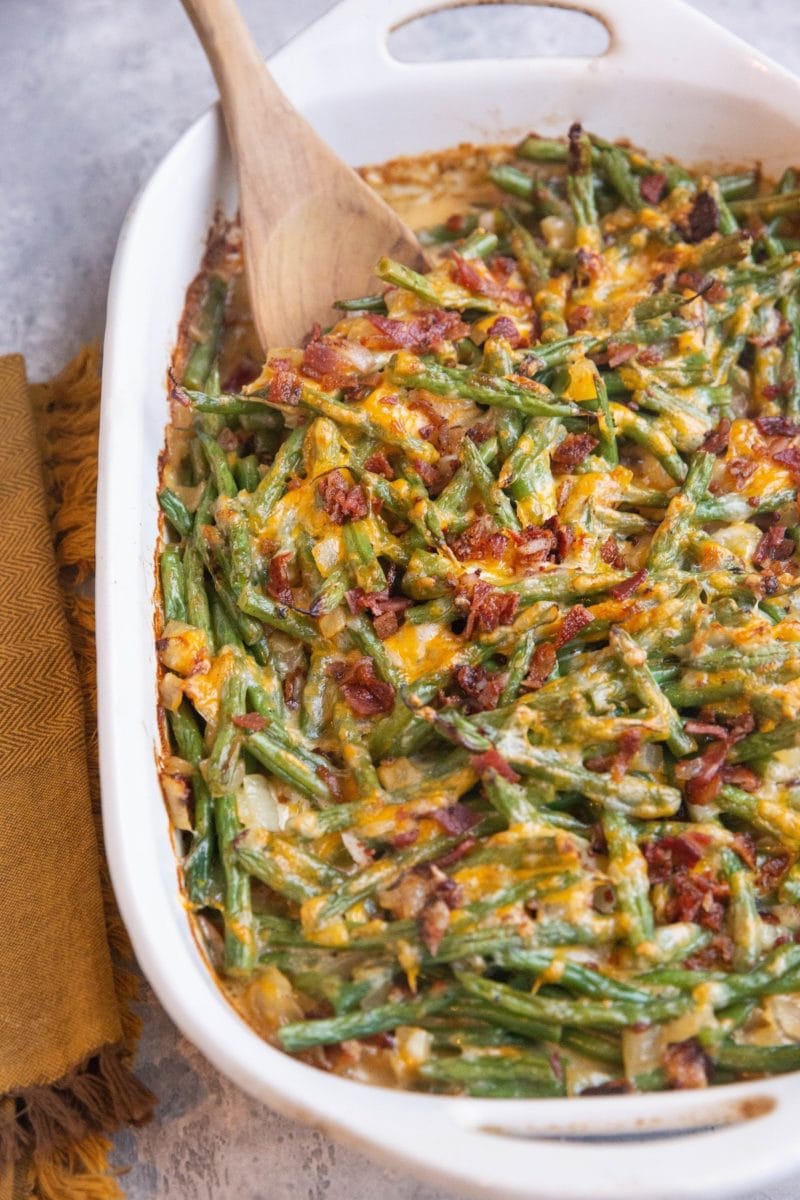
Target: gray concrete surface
92	93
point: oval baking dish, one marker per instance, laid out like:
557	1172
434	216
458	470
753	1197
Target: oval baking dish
669	80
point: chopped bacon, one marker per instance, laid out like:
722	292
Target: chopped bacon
492	760
458	852
375	603
716	440
618	763
718	953
481	539
326	363
701	775
252	722
481	689
405	838
365	693
740	470
341	500
741	777
579	317
385	625
771	870
611	553
573	450
692	280
774	546
279	586
293	688
705	729
575	620
437	475
534	543
745	847
667	855
487	606
504	327
379	464
651	356
541	668
788	457
686	1065
702	219
422	333
620	352
698	898
777	427
626	587
467	276
652	187
284	386
716	292
564	537
455	819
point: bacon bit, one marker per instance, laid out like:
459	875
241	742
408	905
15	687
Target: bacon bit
243	373
667	855
455	819
702	219
435	476
705	729
535	544
481	539
718	953
740	470
406	837
375	603
423	333
564	537
686	1065
743	777
331	780
579	317
618	763
492	760
626	587
293	688
771	870
386	624
620	352
716	440
379	464
588	265
716	292
698	898
252	722
481	689
458	852
611	553
573	450
777	427
789	457
284	386
542	663
466	275
701	775
279	586
652	187
341	500
651	356
504	327
692	280
774	546
325	363
488	607
745	847
575	620
364	692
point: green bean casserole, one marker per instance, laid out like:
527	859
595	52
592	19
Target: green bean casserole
480	640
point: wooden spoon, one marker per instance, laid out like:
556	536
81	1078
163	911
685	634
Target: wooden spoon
312	229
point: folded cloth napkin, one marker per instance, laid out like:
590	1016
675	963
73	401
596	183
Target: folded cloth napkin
67	1032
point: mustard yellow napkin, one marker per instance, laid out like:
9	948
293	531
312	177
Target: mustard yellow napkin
66	1029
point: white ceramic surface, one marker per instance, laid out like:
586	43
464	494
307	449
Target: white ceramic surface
673	82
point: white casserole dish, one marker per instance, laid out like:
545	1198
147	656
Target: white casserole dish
674	83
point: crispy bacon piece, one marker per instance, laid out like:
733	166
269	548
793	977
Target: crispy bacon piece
472	280
535	544
564	537
487	607
375	603
405	838
252	722
341	500
716	440
365	693
542	663
788	457
481	689
455	819
771	870
504	327
279	586
742	777
697	897
745	847
718	953
774	546
667	855
573	450
481	539
705	729
293	688
702	219
379	464
621	591
459	851
777	427
579	317
701	775
386	624
740	470
322	361
652	187
620	352
422	333
611	553
686	1065
492	760
284	386
692	280
618	763
575	620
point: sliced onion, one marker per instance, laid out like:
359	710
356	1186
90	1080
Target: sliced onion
271	1001
170	691
641	1052
257	805
786	1011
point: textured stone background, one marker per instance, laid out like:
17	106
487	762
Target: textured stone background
93	93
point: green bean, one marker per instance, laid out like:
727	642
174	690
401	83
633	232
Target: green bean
176	512
173	584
